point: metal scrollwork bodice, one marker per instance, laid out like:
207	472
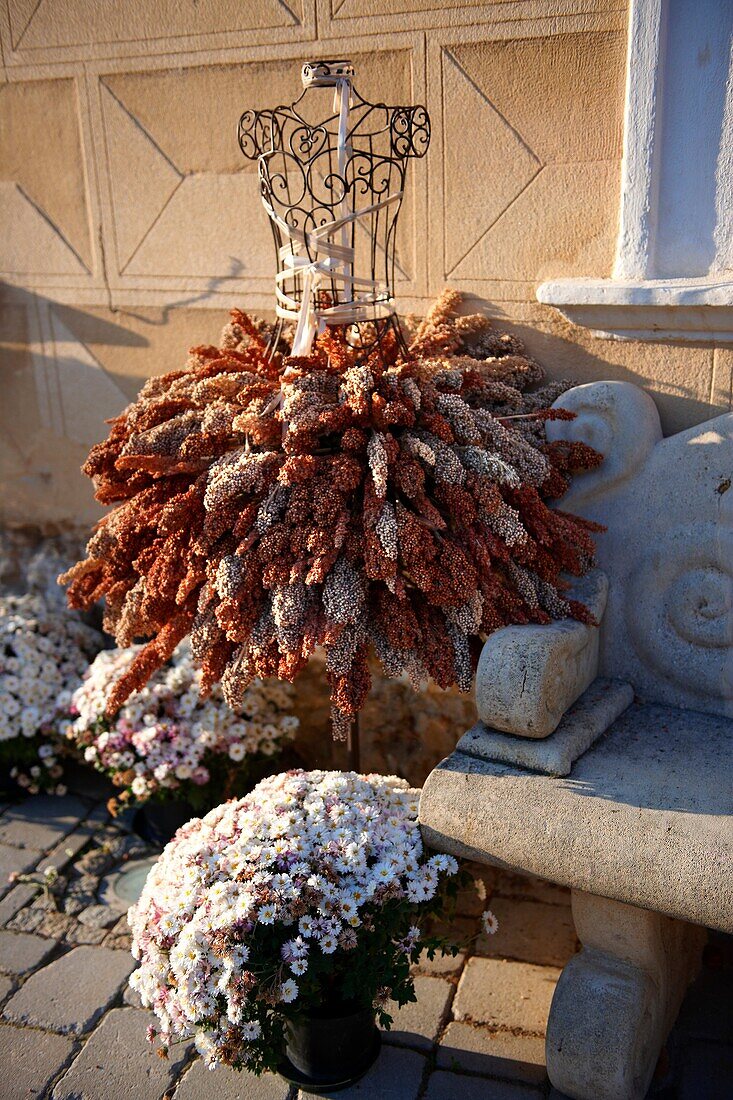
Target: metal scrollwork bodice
333	192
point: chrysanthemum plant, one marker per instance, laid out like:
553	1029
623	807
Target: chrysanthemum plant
166	742
44	651
311	891
266	505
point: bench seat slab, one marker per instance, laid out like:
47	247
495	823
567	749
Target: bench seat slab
643	818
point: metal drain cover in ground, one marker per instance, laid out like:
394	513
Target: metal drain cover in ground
123	887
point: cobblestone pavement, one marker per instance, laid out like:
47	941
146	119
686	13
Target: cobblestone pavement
71	1030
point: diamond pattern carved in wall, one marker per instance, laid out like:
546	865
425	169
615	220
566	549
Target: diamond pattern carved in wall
534	191
345	9
184	202
42	23
44	218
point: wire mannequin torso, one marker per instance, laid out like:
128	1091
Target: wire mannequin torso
333	190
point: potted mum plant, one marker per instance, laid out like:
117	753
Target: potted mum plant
276	930
44	651
167	749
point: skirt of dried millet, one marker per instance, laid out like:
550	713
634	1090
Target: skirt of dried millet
266	507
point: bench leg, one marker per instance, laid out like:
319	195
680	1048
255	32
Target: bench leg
617	999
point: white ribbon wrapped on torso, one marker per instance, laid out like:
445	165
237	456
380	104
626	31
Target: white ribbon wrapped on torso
315	256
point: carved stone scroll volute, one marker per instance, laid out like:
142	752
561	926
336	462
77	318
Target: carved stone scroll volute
668	550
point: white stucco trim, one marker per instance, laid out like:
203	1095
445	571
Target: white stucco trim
646	29
699	310
663	285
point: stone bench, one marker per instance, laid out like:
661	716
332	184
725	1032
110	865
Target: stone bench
603	758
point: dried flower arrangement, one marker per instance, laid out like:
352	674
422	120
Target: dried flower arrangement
44	651
309	891
270	505
165	742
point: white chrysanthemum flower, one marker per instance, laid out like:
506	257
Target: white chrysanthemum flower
165	731
489	923
288	991
44	650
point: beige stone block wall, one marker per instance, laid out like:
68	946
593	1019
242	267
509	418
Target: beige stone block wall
130	223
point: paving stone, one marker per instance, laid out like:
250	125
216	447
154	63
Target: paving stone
117	1062
27	920
396	1075
452	1086
122	927
510	884
98	916
30	1060
83	889
119	943
71	993
417	1024
83	883
469	903
706	1073
55	925
6	984
441	964
50	808
20	896
100	815
506	994
131	997
473	899
14	860
139	849
95	862
68	848
44	901
493	1053
77	933
121	845
530	931
460	931
41	822
21	952
199	1083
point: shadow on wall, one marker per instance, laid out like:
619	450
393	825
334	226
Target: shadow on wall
679	374
66	370
53	391
236	268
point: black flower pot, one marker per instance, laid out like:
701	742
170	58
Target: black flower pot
331	1048
9	789
157	822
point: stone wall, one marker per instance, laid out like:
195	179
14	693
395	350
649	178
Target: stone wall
130	223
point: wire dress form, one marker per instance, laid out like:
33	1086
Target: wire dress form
333	191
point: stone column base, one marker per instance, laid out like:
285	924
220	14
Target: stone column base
616	1000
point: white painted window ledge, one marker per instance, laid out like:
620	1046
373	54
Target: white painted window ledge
673	272
695	309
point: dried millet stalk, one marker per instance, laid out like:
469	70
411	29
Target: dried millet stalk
267	507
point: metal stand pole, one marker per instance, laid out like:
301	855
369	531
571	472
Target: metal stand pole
353	746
